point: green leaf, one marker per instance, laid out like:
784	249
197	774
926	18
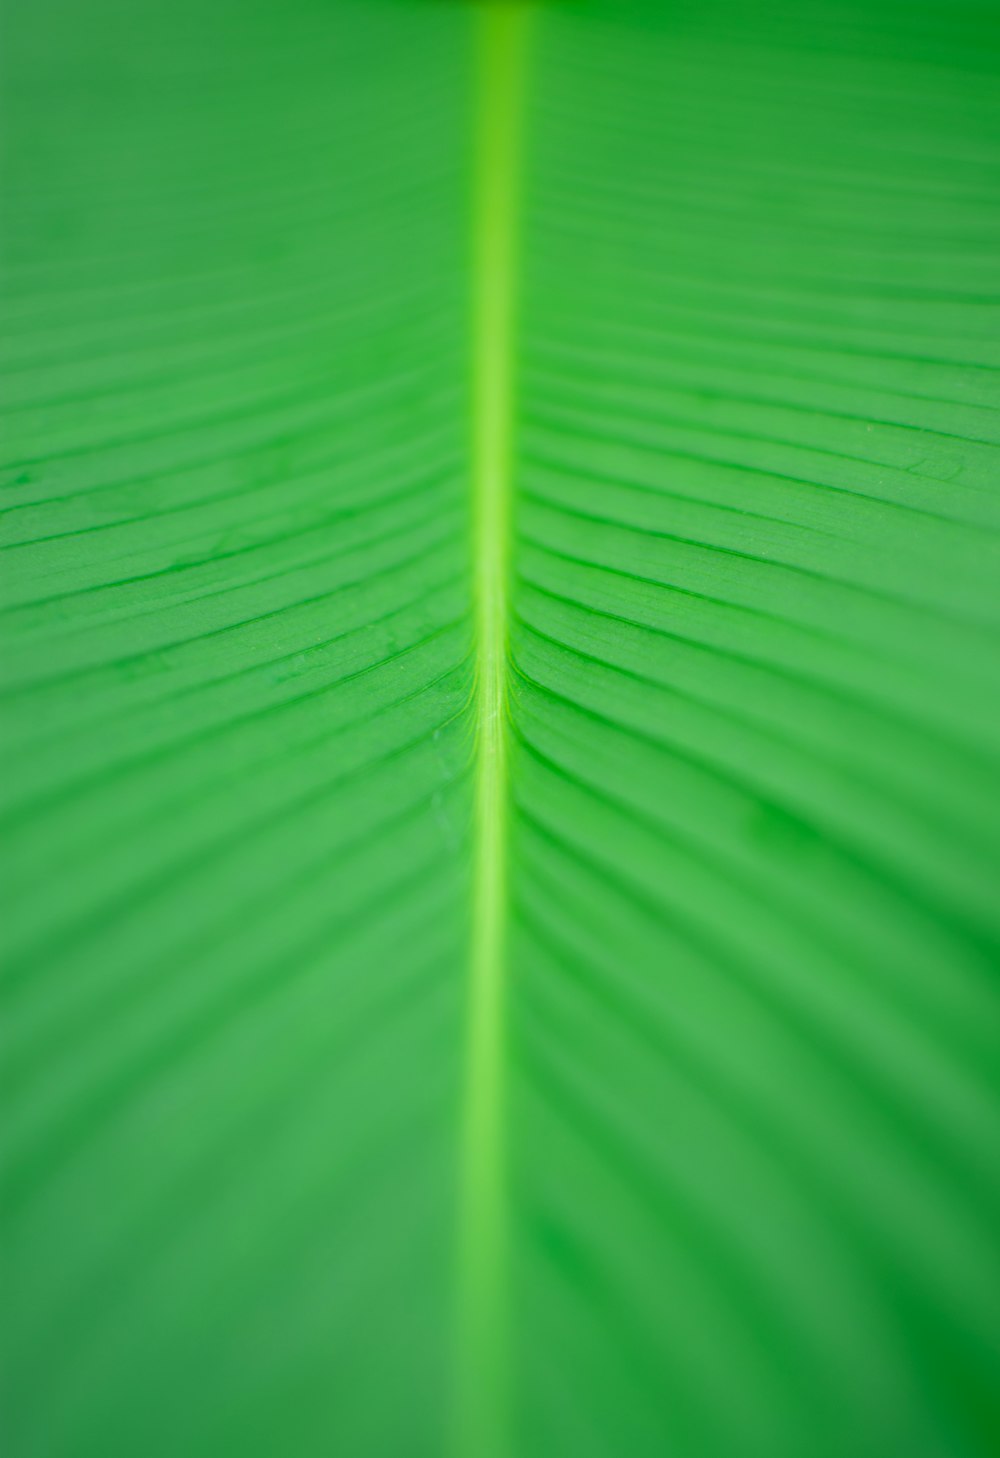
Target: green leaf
502	729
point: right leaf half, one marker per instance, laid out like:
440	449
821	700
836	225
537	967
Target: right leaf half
755	647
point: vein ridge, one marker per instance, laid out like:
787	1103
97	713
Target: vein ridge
482	1234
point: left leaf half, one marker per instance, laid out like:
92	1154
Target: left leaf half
235	687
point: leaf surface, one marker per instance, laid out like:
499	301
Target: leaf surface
501	700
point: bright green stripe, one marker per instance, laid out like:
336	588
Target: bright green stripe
481	1428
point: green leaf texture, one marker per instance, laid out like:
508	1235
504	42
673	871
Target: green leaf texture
501	722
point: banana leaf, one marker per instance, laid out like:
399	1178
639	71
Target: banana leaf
501	721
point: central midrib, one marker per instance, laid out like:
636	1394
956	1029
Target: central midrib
482	1243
